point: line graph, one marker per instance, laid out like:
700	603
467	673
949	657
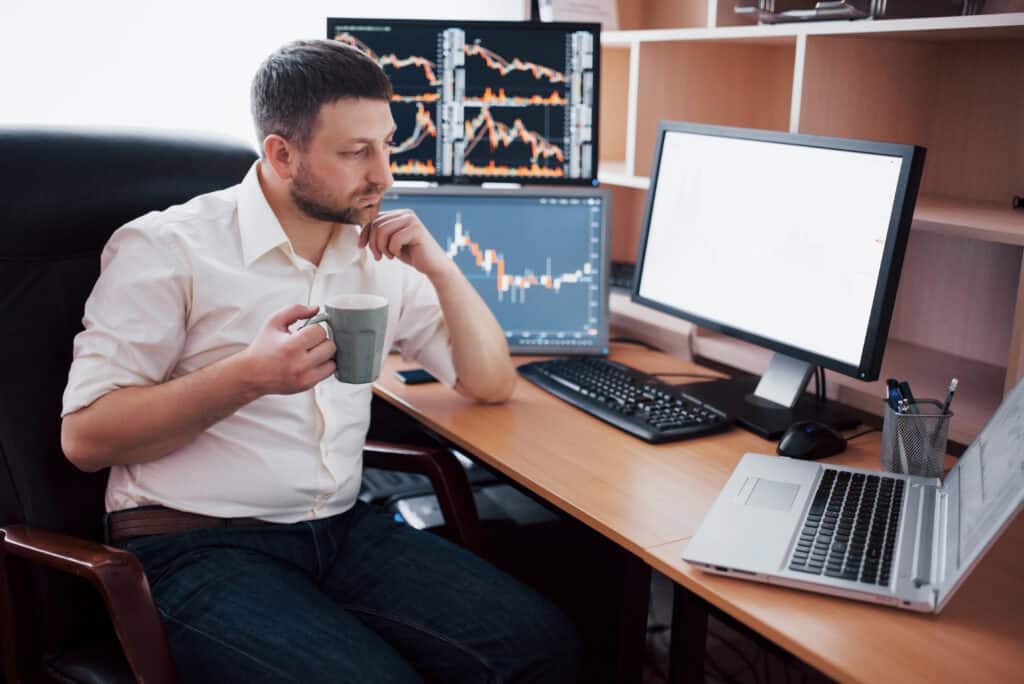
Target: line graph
484	101
424	128
489	97
499	133
391	59
503	66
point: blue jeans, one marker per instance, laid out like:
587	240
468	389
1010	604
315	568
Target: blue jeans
353	598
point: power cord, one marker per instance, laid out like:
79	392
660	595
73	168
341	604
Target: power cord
704	376
633	340
861	434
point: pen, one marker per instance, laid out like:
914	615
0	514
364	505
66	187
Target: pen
893	393
906	393
949	397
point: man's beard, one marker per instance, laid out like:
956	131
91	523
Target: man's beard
309	196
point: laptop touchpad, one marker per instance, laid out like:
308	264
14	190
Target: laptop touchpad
778	496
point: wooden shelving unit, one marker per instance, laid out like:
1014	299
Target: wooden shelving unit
953	85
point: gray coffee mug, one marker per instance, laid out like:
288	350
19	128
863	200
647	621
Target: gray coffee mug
356	323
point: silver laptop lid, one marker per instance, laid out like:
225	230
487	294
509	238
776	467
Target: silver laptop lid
989	483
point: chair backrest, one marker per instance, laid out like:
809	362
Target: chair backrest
62	193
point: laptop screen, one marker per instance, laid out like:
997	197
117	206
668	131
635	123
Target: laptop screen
991	477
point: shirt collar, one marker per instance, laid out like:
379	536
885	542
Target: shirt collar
261	231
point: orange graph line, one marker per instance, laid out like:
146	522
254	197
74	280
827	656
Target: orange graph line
499	133
502	65
489	97
422	97
489	259
391	59
415	167
493	170
424	128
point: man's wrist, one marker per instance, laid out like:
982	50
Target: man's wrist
243	375
443	276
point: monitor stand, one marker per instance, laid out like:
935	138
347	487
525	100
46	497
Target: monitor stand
770	404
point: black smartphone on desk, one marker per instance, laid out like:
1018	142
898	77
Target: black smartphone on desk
414	376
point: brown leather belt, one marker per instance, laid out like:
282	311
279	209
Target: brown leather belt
140	522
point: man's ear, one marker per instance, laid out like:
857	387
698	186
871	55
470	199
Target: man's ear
280	155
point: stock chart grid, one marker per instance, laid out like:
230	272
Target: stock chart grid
490	103
536	261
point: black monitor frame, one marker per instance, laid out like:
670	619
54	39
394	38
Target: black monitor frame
542	27
891	265
600	347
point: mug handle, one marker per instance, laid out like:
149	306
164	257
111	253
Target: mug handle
320	318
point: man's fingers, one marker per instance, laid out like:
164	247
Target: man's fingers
400	238
315	375
308	337
280	320
322	352
381	236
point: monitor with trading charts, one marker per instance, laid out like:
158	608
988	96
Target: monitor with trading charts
487	101
537	256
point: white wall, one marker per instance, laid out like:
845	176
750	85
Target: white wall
171	64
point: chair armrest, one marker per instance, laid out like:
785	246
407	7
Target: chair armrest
119	578
448	478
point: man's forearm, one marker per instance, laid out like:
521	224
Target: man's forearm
139	424
479	348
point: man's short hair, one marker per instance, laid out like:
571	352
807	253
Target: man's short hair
294	82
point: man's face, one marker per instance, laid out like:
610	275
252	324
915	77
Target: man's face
343	174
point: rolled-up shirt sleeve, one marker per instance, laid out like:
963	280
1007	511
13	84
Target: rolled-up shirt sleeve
135	318
422	334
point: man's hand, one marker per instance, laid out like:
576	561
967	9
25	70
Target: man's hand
401	234
287	363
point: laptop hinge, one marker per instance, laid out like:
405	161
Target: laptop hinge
926	539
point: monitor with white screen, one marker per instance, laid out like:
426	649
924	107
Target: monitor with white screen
791	242
537	257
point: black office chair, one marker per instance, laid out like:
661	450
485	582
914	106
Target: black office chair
63	193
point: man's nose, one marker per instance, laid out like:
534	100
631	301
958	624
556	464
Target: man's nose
380	173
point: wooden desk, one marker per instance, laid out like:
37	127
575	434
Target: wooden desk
650	499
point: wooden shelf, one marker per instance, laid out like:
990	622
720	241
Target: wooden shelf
1006	25
927	370
614	173
983	221
975	220
951	84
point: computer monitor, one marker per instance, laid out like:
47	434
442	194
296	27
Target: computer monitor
537	256
487	101
791	242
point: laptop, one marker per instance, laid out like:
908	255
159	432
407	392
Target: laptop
893	539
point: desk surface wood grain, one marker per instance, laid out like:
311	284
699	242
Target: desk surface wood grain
650	499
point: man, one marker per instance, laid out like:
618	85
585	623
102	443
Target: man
236	458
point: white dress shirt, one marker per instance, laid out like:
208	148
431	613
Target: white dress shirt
186	287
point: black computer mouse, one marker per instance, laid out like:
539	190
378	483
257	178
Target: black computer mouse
809	440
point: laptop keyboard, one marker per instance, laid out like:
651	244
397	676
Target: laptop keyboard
850	530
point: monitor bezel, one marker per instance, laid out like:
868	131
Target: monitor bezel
891	265
600	348
561	27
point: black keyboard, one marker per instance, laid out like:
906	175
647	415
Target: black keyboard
630	400
851	528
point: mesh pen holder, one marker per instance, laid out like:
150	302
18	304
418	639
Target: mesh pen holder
914	442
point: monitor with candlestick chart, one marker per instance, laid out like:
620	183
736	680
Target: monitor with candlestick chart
537	256
487	101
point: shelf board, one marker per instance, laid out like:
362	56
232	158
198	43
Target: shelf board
927	370
964	218
981	26
614	173
984	221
